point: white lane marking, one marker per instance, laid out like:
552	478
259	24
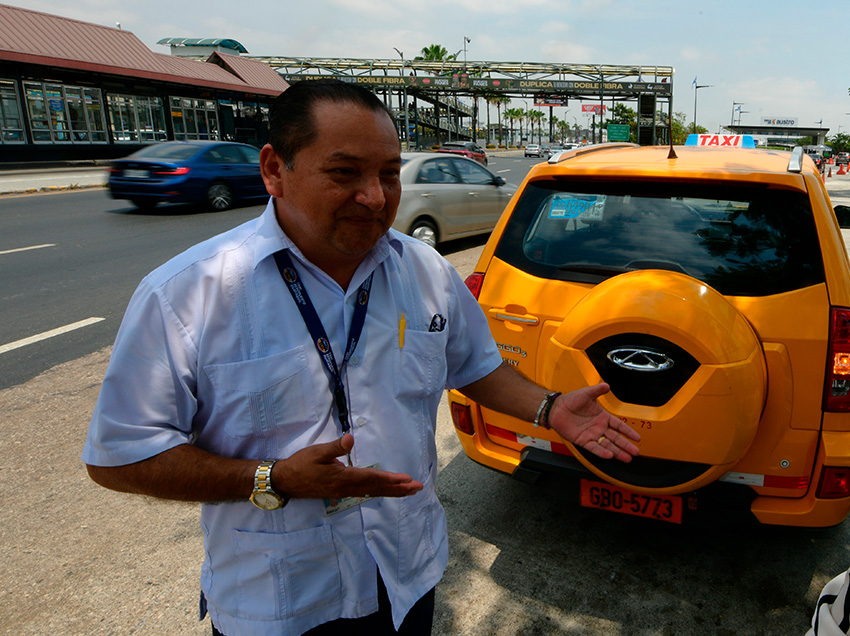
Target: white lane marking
506	170
31	247
17	344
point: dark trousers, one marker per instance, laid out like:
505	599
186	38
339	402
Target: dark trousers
417	622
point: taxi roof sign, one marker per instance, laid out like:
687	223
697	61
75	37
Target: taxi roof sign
721	141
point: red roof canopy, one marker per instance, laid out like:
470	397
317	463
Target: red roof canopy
39	38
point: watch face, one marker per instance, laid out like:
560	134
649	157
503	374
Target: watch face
266	500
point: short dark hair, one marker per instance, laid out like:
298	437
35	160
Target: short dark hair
291	124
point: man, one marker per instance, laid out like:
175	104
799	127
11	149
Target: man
287	374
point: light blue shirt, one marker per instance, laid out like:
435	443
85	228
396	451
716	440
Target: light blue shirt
213	352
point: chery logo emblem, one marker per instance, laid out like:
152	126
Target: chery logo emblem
635	359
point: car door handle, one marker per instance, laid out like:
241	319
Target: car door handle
427	195
473	194
515	314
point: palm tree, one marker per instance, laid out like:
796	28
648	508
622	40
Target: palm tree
521	116
435	53
535	117
500	100
515	114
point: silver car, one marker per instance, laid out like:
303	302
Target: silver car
446	197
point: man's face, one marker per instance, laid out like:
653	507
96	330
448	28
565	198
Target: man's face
343	192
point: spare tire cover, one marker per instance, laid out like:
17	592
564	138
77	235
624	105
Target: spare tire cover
687	372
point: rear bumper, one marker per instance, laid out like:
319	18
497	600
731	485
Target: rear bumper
163	191
717	501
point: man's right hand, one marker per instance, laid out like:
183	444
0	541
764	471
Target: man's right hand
316	472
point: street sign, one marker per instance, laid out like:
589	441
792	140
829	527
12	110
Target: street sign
618	132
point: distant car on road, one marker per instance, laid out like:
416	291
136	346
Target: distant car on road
446	197
465	149
842	158
534	150
213	173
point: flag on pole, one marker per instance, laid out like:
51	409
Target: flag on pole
695	81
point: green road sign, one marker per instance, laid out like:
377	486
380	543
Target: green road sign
618	132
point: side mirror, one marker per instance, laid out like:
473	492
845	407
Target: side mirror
842	213
500	181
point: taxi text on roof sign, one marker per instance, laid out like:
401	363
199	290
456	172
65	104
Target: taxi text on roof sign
722	141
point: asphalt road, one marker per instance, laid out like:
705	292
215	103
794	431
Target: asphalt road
79	560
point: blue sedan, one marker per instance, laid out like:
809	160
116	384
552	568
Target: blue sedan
213	173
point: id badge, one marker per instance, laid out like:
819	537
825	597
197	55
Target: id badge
333	506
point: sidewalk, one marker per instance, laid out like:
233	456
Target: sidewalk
26	181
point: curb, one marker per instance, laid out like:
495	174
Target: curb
53	189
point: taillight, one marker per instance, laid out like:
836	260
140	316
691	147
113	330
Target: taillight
474	282
462	418
834	483
837	390
172	172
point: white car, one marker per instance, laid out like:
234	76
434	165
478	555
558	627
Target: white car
446	197
534	150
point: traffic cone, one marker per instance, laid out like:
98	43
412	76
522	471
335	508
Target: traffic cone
830	172
841	169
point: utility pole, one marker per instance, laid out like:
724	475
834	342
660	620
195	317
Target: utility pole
696	90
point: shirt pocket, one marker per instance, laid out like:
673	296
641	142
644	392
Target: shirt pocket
419	367
256	397
282	575
422	532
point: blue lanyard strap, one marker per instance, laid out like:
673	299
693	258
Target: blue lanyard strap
317	330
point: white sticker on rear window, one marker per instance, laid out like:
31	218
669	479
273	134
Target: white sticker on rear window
571	206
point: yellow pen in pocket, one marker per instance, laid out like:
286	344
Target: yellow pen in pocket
401	326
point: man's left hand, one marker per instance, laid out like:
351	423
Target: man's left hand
578	418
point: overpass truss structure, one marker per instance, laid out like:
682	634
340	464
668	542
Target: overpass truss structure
442	84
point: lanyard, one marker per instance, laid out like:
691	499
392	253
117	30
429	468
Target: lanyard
317	330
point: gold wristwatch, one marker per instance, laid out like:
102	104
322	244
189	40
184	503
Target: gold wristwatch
264	496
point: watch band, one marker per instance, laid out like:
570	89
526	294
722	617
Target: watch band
542	417
264	496
263	477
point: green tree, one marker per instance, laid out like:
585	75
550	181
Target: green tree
513	115
535	117
500	100
839	143
680	128
435	53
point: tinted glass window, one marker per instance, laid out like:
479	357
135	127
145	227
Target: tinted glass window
473	173
743	241
252	155
225	154
173	152
437	171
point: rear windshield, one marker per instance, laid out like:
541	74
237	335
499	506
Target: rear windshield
743	241
173	152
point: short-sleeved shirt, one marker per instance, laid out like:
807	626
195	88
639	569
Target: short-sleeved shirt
214	352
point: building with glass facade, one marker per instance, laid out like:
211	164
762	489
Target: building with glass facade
96	92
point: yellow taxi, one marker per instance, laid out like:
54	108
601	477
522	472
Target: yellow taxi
708	284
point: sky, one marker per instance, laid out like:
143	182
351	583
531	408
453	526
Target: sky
776	58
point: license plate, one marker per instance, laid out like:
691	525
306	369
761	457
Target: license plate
595	494
137	174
